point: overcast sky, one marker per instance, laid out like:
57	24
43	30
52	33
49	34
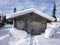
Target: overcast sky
46	6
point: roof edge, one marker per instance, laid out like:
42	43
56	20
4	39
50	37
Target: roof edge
28	11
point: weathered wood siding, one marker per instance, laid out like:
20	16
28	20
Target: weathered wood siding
20	24
32	23
36	27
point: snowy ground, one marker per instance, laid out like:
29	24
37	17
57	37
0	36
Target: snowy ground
36	40
43	41
5	30
6	39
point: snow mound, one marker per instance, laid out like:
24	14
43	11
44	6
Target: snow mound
51	25
49	33
50	30
18	33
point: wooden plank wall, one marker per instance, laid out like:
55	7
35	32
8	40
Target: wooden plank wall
32	23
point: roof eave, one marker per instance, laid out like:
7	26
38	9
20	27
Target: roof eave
29	11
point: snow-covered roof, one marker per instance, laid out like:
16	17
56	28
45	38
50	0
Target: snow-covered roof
29	11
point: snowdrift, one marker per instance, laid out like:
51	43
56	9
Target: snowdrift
50	30
18	33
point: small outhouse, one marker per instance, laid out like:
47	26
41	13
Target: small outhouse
30	20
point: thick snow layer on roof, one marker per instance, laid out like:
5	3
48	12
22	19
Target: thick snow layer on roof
28	11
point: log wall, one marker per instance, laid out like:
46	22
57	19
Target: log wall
32	23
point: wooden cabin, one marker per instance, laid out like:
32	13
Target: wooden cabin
30	20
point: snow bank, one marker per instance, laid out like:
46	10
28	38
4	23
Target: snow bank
58	25
18	33
51	25
50	31
5	29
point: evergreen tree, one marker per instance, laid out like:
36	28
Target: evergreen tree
54	12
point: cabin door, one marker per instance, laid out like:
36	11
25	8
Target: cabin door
33	27
28	26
